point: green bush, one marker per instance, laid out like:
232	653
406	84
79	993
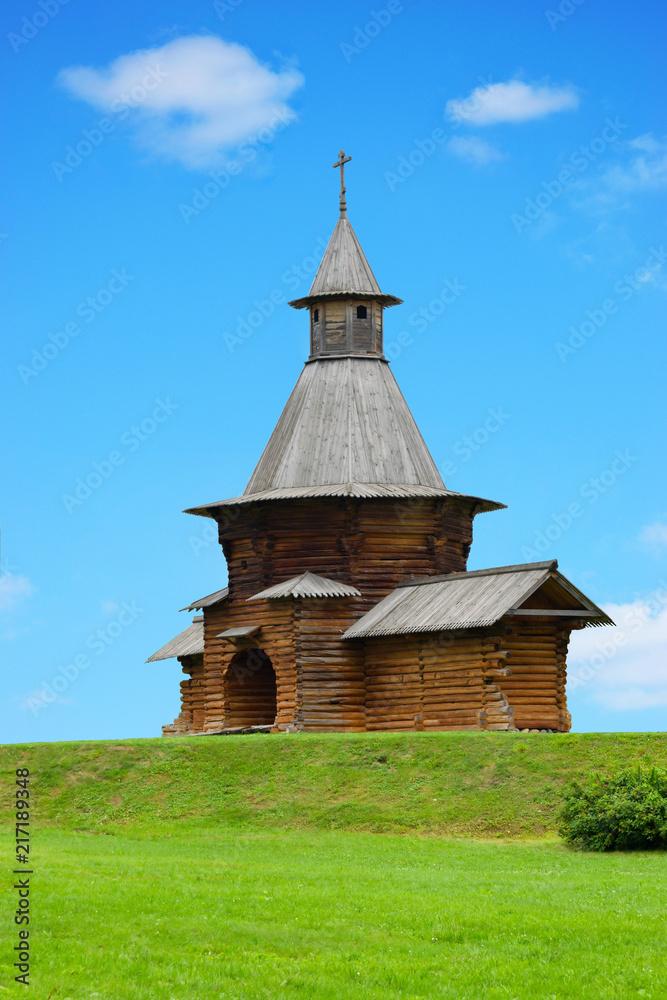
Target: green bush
626	812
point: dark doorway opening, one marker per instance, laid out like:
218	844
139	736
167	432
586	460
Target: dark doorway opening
250	690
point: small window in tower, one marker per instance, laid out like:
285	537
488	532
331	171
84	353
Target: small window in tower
362	312
316	315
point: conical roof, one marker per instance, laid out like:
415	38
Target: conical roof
344	271
345	431
346	421
344	267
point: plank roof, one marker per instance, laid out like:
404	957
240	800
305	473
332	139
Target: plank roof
239	632
209	600
346	421
307	585
468	600
186	643
344	271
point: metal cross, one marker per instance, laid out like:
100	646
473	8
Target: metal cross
340	162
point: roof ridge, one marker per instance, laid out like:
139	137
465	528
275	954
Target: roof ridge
313	585
492	571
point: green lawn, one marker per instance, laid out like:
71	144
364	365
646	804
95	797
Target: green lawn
369	866
476	784
211	912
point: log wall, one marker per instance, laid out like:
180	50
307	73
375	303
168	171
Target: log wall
536	686
224	696
433	682
371	544
319	678
192	698
330	677
495	678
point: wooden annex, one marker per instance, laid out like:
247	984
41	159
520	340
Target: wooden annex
349	606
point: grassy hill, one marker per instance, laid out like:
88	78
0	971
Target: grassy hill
251	868
476	784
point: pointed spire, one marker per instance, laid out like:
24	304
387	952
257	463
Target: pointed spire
344	270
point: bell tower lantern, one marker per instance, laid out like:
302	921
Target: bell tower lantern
345	302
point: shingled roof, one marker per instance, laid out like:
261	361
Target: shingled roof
344	271
209	600
186	643
307	585
345	421
474	600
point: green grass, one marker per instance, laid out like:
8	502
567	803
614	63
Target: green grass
320	867
214	913
477	784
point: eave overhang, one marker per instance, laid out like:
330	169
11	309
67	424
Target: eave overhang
364	491
352	293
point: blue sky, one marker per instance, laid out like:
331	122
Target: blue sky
515	152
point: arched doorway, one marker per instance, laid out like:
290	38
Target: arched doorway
250	690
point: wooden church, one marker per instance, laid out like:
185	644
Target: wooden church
349	606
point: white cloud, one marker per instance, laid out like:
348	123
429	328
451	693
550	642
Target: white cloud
624	667
13	589
646	169
190	100
654	535
514	101
640	167
474	150
608	242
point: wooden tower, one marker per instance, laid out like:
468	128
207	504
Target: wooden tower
347	557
